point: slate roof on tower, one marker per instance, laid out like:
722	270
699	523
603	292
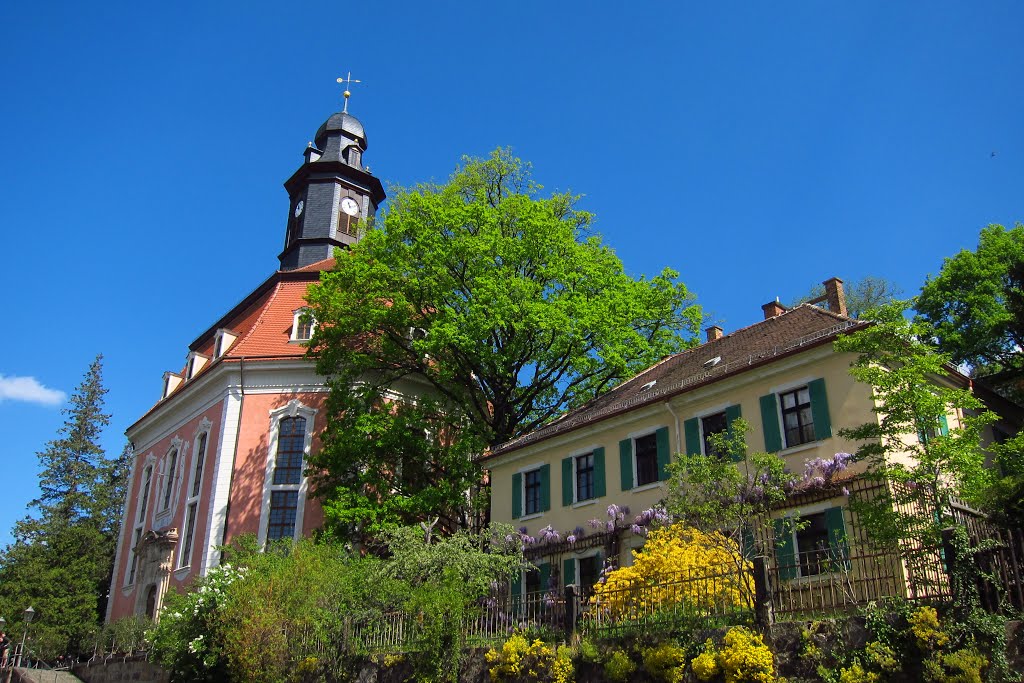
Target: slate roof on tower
791	331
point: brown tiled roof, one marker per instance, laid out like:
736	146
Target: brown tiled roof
795	329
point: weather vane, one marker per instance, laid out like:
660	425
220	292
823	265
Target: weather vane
348	81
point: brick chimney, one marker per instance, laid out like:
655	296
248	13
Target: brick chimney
714	332
835	296
772	309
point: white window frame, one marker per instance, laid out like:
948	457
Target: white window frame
297	321
141	510
633	436
195	480
522	490
169	480
796	516
575	478
294	409
586	555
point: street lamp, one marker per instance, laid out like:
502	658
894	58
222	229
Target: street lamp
29	615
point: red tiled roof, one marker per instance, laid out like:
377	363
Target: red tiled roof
271	333
800	327
318	267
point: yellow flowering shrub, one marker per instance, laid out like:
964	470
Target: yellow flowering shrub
519	660
959	666
743	658
708	562
924	623
855	673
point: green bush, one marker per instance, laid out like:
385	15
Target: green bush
619	667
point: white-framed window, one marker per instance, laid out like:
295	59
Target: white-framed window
531	491
583	476
797	419
583	571
284	491
303	325
141	505
643	458
795	414
193	492
170	475
812	544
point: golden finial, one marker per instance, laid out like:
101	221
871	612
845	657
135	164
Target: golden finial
348	81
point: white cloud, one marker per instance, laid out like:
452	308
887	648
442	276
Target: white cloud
29	390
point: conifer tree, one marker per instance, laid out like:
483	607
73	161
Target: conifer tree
62	556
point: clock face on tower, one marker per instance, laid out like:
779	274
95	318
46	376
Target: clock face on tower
349	206
299	207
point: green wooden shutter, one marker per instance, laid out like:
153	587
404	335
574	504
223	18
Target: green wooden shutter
785	553
691	432
664	453
545	575
837	541
733	413
567	483
819	409
626	463
568	572
517	495
545	488
770	423
599	488
517	585
749	548
943	425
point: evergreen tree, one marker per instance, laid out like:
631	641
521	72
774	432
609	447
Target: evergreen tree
62	556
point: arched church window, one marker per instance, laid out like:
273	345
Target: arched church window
291	444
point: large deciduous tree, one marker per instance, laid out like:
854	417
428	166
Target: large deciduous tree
976	305
497	302
62	557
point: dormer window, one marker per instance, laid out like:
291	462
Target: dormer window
223	341
171	382
303	325
195	363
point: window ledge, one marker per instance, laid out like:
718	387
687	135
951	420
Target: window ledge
584	503
181	572
527	518
646	487
802	447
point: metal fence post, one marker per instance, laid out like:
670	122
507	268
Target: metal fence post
763	613
571	610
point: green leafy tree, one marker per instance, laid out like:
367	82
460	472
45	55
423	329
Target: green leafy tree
62	557
864	295
913	442
499	305
975	305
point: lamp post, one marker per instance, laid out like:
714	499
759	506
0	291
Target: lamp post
29	615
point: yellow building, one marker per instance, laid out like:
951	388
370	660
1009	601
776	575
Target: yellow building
781	375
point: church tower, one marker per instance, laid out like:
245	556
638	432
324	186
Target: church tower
331	195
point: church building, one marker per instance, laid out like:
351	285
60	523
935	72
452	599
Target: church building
222	452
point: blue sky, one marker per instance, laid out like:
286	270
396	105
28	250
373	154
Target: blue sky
758	148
